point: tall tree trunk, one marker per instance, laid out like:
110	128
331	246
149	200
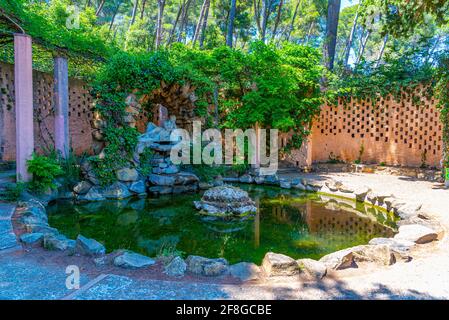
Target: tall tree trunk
172	31
363	42
256	6
231	24
333	13
278	18
348	47
100	7
114	15
292	23
160	13
133	16
142	12
184	19
200	22
309	31
266	12
204	27
382	49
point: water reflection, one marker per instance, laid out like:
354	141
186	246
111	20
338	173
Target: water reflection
287	222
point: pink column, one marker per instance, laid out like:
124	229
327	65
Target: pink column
23	85
61	100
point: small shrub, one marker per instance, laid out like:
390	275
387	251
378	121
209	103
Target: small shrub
13	192
44	171
145	158
382	164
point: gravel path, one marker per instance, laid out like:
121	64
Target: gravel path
426	277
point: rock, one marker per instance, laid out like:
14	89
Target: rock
409	210
127	175
82	187
59	242
246	178
117	190
276	264
379	254
131	260
416	233
398	245
285	184
312	268
41	228
161	180
272	179
171	169
34	210
245	271
94	194
138	187
361	192
338	260
299	186
186	178
333	185
205	185
205	266
226	201
35	238
176	267
259	179
89	247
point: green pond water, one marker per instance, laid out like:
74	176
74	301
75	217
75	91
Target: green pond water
297	224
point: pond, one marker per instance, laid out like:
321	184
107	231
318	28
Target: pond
300	225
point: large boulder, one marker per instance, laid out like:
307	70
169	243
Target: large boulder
379	254
59	243
245	271
176	267
89	247
127	175
32	239
312	268
416	233
161	180
276	264
138	187
338	260
398	245
117	190
94	194
131	260
205	266
82	187
226	201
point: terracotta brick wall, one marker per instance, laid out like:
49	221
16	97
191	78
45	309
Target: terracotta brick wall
80	113
394	132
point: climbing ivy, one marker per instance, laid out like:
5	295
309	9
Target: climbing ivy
442	94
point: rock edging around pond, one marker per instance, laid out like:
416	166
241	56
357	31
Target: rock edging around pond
415	228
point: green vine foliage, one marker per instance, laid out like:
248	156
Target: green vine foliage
277	88
44	171
442	94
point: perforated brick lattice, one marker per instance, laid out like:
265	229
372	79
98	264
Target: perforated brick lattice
394	132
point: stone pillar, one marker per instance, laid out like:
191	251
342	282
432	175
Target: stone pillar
23	85
61	100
